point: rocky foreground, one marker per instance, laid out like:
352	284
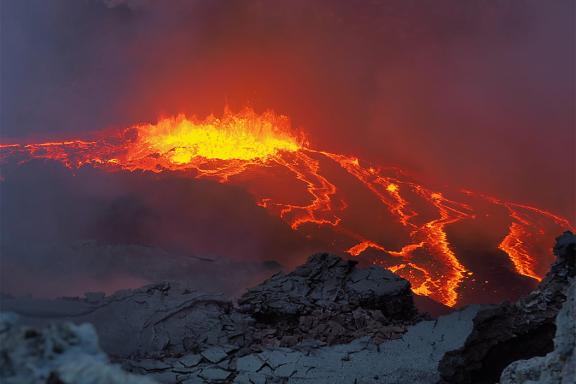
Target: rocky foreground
328	321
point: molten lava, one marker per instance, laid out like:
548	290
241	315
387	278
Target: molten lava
234	144
234	137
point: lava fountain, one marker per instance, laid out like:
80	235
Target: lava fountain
236	144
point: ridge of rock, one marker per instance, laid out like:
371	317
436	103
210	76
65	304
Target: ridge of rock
327	299
325	322
557	367
514	331
61	353
328	282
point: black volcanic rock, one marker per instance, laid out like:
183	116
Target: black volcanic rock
557	367
327	282
509	332
325	322
329	300
171	332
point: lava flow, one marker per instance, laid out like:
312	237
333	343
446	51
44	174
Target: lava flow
236	144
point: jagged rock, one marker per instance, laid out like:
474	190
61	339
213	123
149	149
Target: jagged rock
214	374
190	360
509	332
327	282
62	353
326	322
250	363
411	359
557	367
215	354
330	300
339	303
153	321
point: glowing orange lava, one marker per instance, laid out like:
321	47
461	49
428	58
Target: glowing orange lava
245	137
524	228
223	147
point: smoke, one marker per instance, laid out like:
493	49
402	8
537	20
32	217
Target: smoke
470	93
64	233
467	94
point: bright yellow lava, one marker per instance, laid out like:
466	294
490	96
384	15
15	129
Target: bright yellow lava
244	136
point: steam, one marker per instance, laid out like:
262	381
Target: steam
64	234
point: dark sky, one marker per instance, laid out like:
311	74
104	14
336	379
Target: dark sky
466	93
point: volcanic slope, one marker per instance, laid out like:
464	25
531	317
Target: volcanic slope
378	213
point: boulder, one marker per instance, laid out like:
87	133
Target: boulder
557	367
61	353
330	300
514	331
327	282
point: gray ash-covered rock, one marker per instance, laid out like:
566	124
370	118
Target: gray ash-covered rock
509	332
327	282
177	335
325	322
61	353
331	300
413	358
557	367
153	321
